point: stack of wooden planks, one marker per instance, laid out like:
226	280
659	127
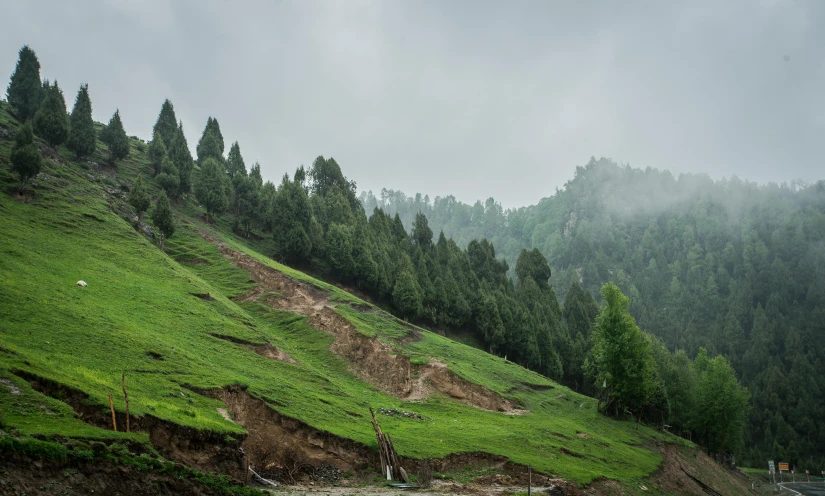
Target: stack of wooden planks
390	466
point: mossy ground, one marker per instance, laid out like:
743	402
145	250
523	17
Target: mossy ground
138	316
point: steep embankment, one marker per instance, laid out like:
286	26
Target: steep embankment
231	358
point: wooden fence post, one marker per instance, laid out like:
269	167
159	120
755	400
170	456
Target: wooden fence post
112	408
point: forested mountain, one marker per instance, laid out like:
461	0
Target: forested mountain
721	275
733	267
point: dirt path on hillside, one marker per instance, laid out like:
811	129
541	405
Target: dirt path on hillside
372	359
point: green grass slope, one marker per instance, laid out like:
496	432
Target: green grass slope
138	317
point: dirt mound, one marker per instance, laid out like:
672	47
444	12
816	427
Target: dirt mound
266	350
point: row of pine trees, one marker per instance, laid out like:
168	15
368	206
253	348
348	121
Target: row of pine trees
316	221
41	108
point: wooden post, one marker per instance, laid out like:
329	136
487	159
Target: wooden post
112	408
529	480
126	397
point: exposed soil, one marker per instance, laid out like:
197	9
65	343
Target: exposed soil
266	350
672	477
276	441
23	197
296	296
205	450
22	475
381	365
374	360
203	296
277	445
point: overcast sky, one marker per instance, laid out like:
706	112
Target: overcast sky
470	98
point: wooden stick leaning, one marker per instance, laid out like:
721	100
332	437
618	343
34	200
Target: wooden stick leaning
126	397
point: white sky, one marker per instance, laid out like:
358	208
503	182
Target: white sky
470	98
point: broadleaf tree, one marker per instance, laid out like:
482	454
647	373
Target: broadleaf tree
621	359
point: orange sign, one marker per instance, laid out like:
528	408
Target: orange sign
783	466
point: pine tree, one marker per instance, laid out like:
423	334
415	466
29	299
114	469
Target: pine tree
25	156
256	183
82	135
179	153
721	407
139	198
406	295
157	152
533	264
114	136
234	162
339	250
421	233
211	142
169	178
51	121
211	188
162	218
209	147
291	218
244	202
25	90
167	123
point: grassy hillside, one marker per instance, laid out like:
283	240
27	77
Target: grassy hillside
140	316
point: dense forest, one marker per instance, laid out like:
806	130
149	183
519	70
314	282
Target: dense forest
721	275
731	266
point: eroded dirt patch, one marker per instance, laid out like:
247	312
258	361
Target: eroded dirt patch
381	365
205	450
294	296
374	360
266	350
673	478
276	442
